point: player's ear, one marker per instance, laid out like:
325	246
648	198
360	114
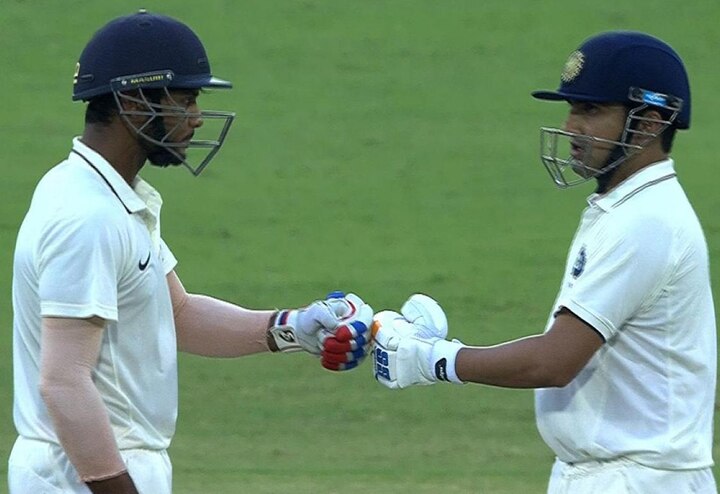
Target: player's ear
649	124
132	101
134	107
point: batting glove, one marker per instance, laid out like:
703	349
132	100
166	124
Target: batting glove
307	328
426	315
409	347
299	329
349	343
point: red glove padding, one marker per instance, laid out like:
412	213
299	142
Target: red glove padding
347	347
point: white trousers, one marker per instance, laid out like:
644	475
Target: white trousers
39	467
626	477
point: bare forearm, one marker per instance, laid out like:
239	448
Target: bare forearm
511	365
552	359
215	328
83	428
69	352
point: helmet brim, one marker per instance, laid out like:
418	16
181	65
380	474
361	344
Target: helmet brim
199	82
218	83
181	82
566	96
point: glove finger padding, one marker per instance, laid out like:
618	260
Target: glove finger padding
347	338
348	344
343	362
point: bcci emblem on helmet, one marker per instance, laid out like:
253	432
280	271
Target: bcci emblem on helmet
573	66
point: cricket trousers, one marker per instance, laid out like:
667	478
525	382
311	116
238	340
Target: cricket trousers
623	476
39	467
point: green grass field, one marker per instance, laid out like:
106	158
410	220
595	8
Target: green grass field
383	147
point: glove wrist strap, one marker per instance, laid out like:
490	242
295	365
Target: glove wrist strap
444	354
281	330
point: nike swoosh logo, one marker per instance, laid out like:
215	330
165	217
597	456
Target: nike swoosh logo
441	370
143	265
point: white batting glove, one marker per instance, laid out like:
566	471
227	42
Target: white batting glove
306	328
426	315
299	329
410	349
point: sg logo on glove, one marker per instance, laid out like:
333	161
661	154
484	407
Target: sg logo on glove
381	364
393	326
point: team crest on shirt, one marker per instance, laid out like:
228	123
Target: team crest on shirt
579	265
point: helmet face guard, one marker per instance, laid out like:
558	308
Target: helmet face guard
567	170
155	129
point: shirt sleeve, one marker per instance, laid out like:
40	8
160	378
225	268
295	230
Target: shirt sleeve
79	263
167	258
623	271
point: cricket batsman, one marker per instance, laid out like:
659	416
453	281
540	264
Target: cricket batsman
625	370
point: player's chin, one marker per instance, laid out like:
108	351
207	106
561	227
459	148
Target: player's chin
582	170
163	158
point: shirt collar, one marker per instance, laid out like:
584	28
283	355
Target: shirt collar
134	199
153	203
643	178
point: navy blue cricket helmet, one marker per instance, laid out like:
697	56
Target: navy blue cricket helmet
143	43
132	56
607	66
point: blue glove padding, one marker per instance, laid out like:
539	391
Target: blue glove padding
349	343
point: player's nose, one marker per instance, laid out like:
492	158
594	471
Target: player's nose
195	121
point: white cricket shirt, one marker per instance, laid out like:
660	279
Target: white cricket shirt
637	272
90	246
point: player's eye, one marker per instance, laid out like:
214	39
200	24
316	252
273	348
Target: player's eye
584	108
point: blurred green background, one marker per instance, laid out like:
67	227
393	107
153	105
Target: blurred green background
383	147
